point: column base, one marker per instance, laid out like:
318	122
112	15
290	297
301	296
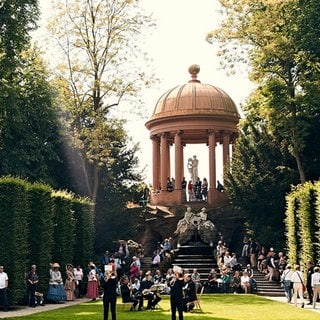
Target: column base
215	197
165	197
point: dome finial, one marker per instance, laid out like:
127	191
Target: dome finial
194	70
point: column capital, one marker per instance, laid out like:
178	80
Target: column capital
212	132
164	134
154	137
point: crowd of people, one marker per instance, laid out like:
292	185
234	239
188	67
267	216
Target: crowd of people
196	191
134	286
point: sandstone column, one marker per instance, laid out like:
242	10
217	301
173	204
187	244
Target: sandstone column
212	160
165	161
156	180
226	141
178	159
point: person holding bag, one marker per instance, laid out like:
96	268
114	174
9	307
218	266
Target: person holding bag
298	284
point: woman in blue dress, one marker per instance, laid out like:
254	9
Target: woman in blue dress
56	292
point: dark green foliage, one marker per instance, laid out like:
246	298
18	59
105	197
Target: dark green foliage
258	181
14	211
84	232
40	231
63	229
18	18
30	144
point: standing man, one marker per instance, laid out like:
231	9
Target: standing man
109	285
32	281
176	295
310	267
315	283
3	289
286	280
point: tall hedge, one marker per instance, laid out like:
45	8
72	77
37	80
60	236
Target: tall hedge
84	232
40	226
63	228
14	211
292	227
41	231
303	223
307	215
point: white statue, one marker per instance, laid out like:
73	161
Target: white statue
193	168
182	225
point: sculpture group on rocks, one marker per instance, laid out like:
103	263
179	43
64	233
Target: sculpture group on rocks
195	227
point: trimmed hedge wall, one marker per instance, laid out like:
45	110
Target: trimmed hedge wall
40	226
303	223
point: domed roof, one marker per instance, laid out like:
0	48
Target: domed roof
195	98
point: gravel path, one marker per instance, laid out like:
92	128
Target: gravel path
306	306
20	311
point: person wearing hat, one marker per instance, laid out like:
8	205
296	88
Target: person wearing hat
70	283
134	268
56	292
286	280
32	280
93	282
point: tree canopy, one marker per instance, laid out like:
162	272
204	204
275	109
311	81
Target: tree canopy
98	74
278	42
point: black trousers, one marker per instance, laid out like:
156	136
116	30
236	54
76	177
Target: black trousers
31	291
176	305
4	298
109	302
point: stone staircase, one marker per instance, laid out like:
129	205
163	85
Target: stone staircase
266	288
195	256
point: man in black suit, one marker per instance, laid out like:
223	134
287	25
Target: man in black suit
190	293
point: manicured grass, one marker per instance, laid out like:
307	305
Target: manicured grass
215	307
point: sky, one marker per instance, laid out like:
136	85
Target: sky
177	42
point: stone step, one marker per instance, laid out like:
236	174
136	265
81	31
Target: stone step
267	288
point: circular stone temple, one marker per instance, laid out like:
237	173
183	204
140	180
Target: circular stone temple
192	113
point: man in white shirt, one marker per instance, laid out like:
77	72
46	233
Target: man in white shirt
156	259
286	280
315	284
3	289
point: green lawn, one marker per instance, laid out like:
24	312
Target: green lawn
215	307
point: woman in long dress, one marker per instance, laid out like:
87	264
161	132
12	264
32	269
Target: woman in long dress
56	290
92	289
70	284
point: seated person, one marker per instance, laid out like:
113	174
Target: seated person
196	278
147	294
245	282
226	279
158	278
126	292
212	280
253	282
190	294
236	282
